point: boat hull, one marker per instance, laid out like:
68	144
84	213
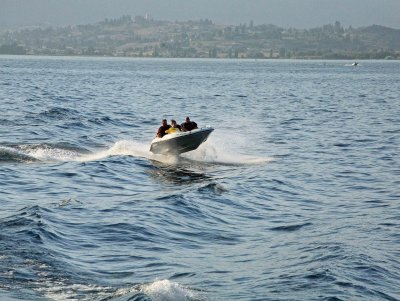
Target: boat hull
180	143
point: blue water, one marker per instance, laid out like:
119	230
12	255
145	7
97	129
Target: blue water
295	196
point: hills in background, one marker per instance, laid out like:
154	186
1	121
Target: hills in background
143	36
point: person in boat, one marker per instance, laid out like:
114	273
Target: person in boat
163	128
188	125
174	127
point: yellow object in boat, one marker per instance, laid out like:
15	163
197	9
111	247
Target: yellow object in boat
171	130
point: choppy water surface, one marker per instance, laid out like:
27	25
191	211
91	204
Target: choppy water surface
294	197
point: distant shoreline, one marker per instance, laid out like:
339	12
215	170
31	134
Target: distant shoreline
195	58
142	36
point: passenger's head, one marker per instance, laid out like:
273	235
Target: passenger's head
164	122
173	122
187	119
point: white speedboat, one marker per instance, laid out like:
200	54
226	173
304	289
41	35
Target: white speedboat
180	142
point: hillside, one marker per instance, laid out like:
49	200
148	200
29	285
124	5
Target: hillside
143	37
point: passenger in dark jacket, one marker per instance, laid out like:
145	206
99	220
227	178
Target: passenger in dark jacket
175	125
188	125
164	127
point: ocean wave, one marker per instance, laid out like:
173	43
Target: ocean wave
165	290
26	153
30	262
26	259
159	290
9	154
35	255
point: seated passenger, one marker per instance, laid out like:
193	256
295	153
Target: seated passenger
163	128
174	127
188	125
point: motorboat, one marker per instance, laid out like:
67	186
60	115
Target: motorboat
179	142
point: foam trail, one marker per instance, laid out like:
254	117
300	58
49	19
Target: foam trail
127	148
207	153
226	147
34	152
52	154
210	153
9	154
165	290
48	153
120	148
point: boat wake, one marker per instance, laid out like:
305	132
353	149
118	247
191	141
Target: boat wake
208	153
163	290
27	153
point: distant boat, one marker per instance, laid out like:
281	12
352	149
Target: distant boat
355	64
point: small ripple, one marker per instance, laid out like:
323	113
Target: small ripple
213	188
321	276
59	113
290	228
342	144
100	121
182	275
7	122
176	175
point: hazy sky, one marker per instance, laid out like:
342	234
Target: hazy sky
286	13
